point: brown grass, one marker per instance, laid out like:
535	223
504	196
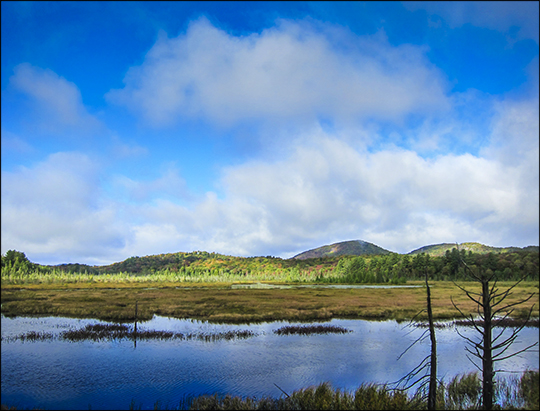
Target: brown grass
247	305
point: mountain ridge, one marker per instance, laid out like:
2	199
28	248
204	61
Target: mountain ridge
360	247
331	251
437	250
351	247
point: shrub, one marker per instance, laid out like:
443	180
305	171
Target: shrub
529	389
464	392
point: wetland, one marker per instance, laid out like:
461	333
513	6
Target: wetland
78	346
256	361
223	303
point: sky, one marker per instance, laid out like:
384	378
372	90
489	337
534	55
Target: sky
266	128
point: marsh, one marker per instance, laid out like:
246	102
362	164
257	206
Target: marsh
114	373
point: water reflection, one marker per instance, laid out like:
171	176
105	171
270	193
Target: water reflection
59	374
339	286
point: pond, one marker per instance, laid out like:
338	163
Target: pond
59	374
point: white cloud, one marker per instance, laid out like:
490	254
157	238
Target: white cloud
374	171
293	71
324	191
14	143
123	150
327	191
514	132
496	15
334	191
460	129
515	144
55	210
151	239
170	184
59	102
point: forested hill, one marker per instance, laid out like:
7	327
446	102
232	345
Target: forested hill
320	259
198	262
355	247
207	267
438	250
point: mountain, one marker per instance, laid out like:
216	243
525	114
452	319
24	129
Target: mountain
438	250
359	247
354	247
205	261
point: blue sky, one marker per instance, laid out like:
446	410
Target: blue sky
266	128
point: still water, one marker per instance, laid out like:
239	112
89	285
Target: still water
57	374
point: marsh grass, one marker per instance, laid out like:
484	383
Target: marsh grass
462	392
529	389
108	332
311	329
506	322
216	304
56	277
321	397
512	392
30	336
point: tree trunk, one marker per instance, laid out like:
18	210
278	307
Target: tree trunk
432	393
487	360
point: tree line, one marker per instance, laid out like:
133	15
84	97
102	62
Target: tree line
399	268
390	268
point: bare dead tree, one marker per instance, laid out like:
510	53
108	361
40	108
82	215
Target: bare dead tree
429	362
432	392
492	312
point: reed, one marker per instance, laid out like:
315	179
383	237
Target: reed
228	335
311	329
99	332
321	397
59	277
435	325
30	336
506	322
462	392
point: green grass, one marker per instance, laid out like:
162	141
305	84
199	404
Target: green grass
462	392
58	277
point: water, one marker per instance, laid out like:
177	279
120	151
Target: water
56	374
339	286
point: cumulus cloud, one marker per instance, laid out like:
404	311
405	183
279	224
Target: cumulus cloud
499	15
295	70
328	191
365	177
58	101
55	209
325	191
515	144
515	131
334	191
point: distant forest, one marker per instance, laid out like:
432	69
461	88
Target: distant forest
390	268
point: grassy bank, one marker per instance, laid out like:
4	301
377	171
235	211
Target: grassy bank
462	392
216	303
